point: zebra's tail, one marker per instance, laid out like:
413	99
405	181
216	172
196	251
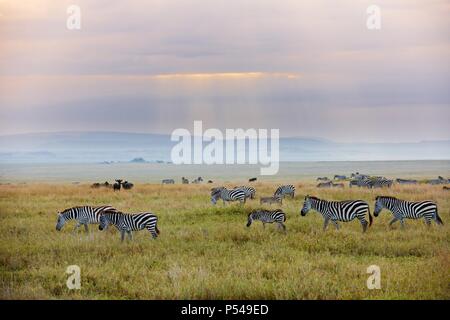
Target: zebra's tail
438	219
370	217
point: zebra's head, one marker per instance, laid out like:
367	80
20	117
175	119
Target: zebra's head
215	194
104	222
250	220
378	206
60	222
306	206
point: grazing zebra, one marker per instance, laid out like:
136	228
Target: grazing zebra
360	183
168	181
227	195
439	180
339	177
325	184
84	215
270	200
402	210
282	191
406	181
198	180
184	180
380	182
250	192
267	216
338	211
337	185
125	222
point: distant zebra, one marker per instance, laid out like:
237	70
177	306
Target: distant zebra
322	179
198	180
282	191
267	216
324	184
339	177
84	215
270	200
168	181
127	223
439	180
406	181
360	183
250	192
402	210
380	182
338	211
184	180
227	195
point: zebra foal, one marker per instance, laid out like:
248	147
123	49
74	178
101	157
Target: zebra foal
268	216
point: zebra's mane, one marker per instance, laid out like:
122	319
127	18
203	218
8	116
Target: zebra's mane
386	197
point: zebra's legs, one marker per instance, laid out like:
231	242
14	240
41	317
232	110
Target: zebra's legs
122	235
76	227
325	224
364	223
264	225
335	224
86	228
428	221
153	233
402	223
282	226
130	235
392	221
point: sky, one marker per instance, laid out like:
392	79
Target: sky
308	68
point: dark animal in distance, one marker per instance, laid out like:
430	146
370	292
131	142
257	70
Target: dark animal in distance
322	179
339	177
252	179
184	180
127	185
168	181
406	181
117	185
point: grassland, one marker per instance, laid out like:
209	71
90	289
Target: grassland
206	252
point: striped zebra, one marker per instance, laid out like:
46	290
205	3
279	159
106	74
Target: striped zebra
250	192
227	195
282	191
127	223
84	215
380	182
268	216
338	211
402	210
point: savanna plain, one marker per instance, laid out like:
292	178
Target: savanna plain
207	252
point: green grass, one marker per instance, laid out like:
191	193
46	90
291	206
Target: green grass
206	252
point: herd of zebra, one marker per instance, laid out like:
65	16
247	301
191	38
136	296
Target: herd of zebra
364	180
331	211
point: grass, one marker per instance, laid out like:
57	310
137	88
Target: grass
206	252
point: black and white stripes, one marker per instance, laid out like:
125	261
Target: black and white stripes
127	223
227	195
84	215
285	190
402	210
335	211
268	216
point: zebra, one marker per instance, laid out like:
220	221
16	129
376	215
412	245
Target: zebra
402	210
439	180
267	216
324	184
168	181
322	179
227	195
339	177
126	223
250	192
337	185
282	191
360	183
184	180
198	180
270	200
380	182
405	181
338	211
83	214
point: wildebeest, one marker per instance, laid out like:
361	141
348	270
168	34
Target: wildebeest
184	180
168	181
270	200
339	177
117	185
405	181
445	188
439	180
127	185
210	181
322	179
252	179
